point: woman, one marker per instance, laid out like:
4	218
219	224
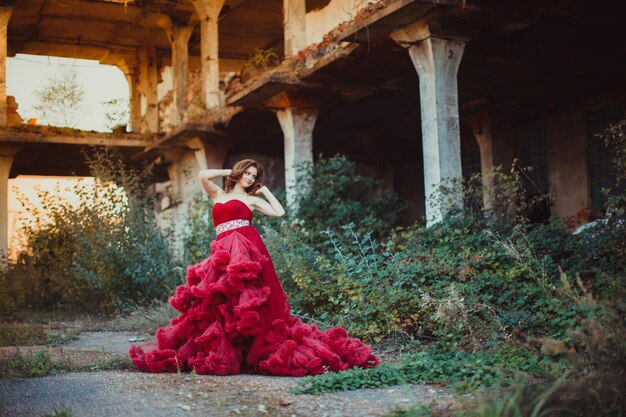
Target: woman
235	316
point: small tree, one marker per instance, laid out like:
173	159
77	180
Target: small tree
116	113
59	99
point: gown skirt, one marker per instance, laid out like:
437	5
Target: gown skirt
235	317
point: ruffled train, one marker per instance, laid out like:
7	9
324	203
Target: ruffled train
235	318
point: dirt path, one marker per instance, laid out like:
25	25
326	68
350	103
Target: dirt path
132	393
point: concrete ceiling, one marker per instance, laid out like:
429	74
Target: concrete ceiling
111	30
526	59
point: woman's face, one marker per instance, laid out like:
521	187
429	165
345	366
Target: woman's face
249	177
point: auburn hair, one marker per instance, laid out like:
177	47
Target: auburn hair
237	172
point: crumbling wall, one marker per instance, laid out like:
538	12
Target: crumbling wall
321	21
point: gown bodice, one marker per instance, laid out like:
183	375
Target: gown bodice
230	210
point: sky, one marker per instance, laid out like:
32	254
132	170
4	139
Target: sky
27	73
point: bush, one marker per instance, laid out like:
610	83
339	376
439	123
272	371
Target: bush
199	231
294	258
471	281
507	203
339	196
106	255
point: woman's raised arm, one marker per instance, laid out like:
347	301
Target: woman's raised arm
212	189
271	207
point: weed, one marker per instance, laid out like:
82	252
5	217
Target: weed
31	364
461	370
63	412
109	364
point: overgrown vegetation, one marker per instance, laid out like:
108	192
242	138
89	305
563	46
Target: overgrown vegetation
338	195
200	231
502	366
102	256
259	61
29	334
43	363
485	298
482	282
29	364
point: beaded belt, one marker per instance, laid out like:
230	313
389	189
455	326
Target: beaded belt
233	224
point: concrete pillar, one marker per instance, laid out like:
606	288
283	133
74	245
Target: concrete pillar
7	153
178	36
135	100
437	62
566	151
481	127
148	82
209	11
297	125
5	15
294	24
208	156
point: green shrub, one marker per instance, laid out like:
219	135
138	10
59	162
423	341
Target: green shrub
469	282
375	291
11	292
108	254
199	231
294	258
339	195
499	200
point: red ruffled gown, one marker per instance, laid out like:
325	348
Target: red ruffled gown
235	316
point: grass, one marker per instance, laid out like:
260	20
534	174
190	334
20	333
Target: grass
111	363
54	328
31	334
32	364
42	363
142	319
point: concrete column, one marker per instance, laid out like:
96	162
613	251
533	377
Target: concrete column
7	153
481	127
5	15
208	156
135	100
209	11
148	81
297	125
437	62
294	24
178	36
566	150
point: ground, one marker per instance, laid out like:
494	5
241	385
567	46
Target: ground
130	392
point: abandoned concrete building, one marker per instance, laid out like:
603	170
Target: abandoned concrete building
414	91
